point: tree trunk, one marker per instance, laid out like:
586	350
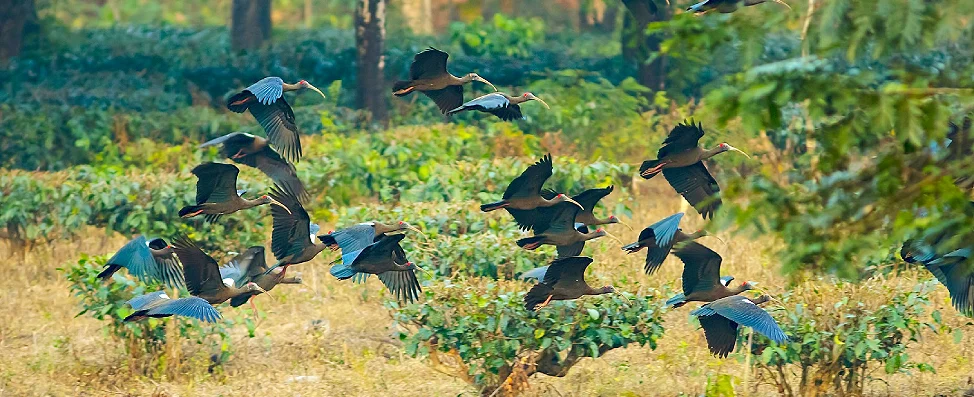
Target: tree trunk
250	23
419	16
370	34
639	47
17	17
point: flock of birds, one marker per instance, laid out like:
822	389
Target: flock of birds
370	248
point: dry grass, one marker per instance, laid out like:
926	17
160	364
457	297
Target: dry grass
332	339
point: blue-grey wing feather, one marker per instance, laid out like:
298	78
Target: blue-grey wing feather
267	90
666	228
192	307
536	273
142	301
744	312
355	238
136	257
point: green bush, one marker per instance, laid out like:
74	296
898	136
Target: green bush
501	36
481	332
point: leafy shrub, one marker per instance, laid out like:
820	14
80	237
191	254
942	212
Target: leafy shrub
500	36
841	334
481	332
154	346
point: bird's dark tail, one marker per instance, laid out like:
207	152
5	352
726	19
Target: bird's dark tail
327	239
136	316
493	206
109	271
240	300
240	102
530	242
188	211
536	296
402	88
342	271
649	169
676	301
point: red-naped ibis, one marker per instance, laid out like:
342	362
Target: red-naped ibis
387	259
701	276
727	6
953	268
265	100
357	237
539	219
217	194
721	318
250	266
253	151
499	104
564	279
291	238
524	192
563	232
428	74
659	238
681	161
159	305
147	260
202	274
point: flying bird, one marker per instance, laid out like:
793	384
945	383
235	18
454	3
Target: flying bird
147	260
387	259
249	267
953	268
659	238
428	74
524	192
202	274
265	100
499	104
217	194
681	162
253	151
721	318
563	233
563	280
291	238
539	219
701	276
727	6
159	305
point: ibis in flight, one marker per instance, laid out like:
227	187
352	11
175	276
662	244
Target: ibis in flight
681	162
524	192
564	279
562	232
250	266
659	238
387	259
727	6
291	238
701	276
217	194
148	260
540	218
950	263
159	305
202	275
499	104
721	318
265	100
253	151
428	74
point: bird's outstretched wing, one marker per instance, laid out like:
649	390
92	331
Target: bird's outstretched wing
168	268
201	272
536	273
590	197
448	98
531	180
575	249
701	267
279	170
568	271
278	122
267	90
683	137
292	230
742	311
402	284
217	182
664	230
697	186
537	219
134	256
428	64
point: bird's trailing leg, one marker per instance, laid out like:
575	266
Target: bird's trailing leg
240	153
543	304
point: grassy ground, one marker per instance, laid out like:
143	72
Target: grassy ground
332	338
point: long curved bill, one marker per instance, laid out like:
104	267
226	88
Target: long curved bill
574	202
430	275
278	203
783	3
623	296
483	80
625	224
614	237
718	239
543	102
739	151
315	89
416	229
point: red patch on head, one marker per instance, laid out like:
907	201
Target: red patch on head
600	230
401	223
302	82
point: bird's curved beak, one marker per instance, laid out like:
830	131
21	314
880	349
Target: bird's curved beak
416	229
624	224
543	102
483	80
621	295
783	3
718	239
568	199
278	203
315	89
738	150
428	274
610	235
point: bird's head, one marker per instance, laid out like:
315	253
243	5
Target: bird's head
907	253
304	84
562	198
615	219
724	147
298	279
253	287
530	97
265	199
634	247
476	77
608	289
748	285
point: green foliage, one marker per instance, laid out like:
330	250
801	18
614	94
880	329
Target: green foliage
486	327
842	343
501	36
154	342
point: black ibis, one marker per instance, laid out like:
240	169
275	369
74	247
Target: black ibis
357	237
701	276
659	238
217	194
384	258
250	266
291	238
159	305
562	232
681	299
954	269
147	260
202	274
428	74
524	192
253	151
720	319
727	6
564	279
499	104
539	219
265	100
681	161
